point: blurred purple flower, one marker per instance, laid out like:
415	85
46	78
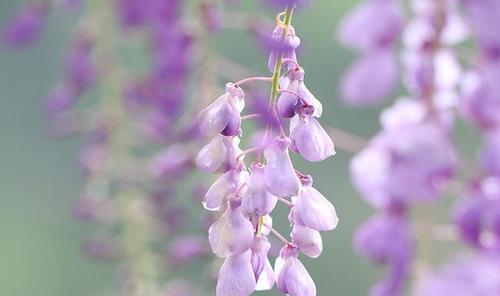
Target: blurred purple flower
25	26
184	249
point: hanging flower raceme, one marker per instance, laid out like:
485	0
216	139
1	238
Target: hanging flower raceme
248	195
412	159
372	28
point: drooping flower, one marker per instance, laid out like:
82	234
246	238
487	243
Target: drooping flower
309	139
232	234
409	160
223	187
261	265
372	24
477	216
292	277
308	240
258	201
312	209
371	28
279	173
477	274
236	276
223	115
285	47
370	79
219	155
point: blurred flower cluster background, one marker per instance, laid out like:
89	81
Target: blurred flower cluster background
58	238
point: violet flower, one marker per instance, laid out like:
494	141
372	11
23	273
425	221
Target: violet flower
25	26
248	196
371	28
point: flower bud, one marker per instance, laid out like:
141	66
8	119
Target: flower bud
262	268
223	186
232	234
292	277
308	240
236	276
219	155
310	140
258	200
279	173
223	115
313	210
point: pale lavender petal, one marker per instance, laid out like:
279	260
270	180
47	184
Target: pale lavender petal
293	278
371	79
232	234
262	267
307	240
313	210
372	24
310	140
281	179
258	201
222	187
219	155
236	277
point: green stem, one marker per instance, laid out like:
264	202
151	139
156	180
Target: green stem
279	60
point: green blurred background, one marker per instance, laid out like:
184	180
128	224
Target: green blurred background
40	251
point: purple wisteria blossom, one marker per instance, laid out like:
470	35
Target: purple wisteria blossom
26	25
248	195
413	158
372	28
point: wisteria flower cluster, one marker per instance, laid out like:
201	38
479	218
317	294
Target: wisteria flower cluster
132	187
246	196
413	160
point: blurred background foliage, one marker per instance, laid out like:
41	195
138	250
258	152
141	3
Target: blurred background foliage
40	246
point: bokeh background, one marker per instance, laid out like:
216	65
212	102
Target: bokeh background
40	242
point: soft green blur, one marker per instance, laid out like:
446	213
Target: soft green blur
39	178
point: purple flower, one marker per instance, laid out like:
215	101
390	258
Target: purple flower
223	115
490	153
133	13
172	162
309	139
484	16
307	240
60	99
372	24
285	47
223	187
384	238
262	268
292	277
479	214
258	201
232	234
80	71
219	155
236	276
312	209
25	26
293	82
371	79
280	176
409	160
186	248
482	96
477	274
